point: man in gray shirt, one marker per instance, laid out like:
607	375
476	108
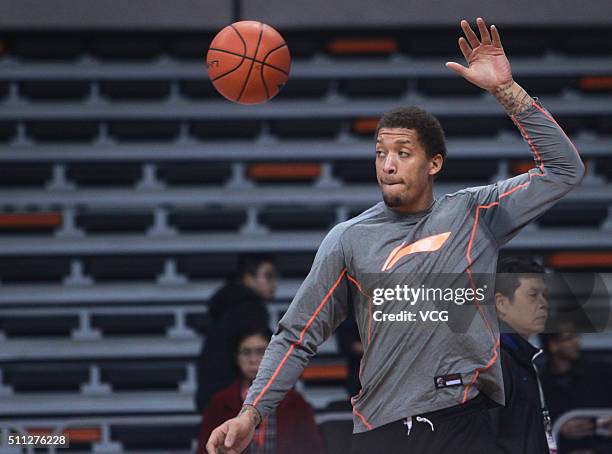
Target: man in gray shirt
427	375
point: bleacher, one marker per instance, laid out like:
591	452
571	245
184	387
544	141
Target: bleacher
128	188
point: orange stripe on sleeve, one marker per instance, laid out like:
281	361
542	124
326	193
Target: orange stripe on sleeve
300	340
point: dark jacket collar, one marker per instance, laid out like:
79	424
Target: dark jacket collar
516	345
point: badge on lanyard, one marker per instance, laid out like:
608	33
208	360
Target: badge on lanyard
552	444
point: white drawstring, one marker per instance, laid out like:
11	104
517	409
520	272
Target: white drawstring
408	423
421	419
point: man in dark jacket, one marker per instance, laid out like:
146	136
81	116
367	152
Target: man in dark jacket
520	298
234	307
573	382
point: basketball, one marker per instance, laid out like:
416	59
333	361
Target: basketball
248	62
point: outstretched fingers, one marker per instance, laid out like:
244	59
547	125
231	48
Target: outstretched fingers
469	34
466	50
457	68
496	38
485	38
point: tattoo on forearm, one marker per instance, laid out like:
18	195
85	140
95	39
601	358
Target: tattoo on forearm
252	413
514	99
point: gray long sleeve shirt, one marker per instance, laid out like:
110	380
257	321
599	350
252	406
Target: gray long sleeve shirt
413	367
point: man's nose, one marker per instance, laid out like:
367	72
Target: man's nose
390	164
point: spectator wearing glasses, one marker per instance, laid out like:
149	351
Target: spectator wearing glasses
290	429
523	424
240	303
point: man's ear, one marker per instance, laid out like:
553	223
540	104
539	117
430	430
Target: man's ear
435	164
500	304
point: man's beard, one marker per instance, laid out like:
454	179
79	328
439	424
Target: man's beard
393	201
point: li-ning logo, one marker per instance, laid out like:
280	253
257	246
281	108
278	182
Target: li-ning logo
429	244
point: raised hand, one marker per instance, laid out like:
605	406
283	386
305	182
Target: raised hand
488	67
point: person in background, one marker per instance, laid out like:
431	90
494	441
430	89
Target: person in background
240	303
290	429
523	424
572	382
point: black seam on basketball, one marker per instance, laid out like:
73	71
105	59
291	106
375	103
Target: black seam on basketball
244	49
273	50
246	80
228	72
250	58
264	63
244	44
263	80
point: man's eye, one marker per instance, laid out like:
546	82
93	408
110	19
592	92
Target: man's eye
379	152
404	154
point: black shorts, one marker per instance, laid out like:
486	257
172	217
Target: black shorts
463	429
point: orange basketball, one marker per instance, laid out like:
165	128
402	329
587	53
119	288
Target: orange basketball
248	62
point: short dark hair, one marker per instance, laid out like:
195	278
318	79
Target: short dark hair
250	263
510	270
252	330
427	127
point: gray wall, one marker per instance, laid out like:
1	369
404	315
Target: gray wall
380	13
121	14
285	14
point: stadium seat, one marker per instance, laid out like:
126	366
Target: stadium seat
585	42
143	130
305	128
147	438
189	45
143	375
468	170
100	222
283	172
25	174
294	264
231	129
444	86
211	219
8	130
582	215
604	167
26	378
580	260
27	223
304	89
126	46
194	173
45	46
62	131
343	47
132	325
123	268
371	87
33	269
89	174
4	89
35	326
39	90
294	218
597	84
355	171
206	266
197	89
121	90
